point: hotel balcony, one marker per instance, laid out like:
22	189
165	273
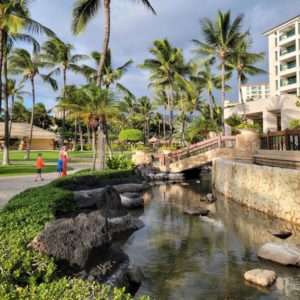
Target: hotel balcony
287	38
288	68
288	85
288	53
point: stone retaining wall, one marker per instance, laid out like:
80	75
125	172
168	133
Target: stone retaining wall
274	191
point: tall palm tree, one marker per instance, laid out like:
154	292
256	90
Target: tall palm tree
60	54
243	62
220	37
166	62
100	104
161	99
22	62
128	105
110	75
14	17
16	93
145	109
85	10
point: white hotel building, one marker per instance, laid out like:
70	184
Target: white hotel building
284	57
256	91
276	111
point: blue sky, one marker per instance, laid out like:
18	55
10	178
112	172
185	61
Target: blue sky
134	29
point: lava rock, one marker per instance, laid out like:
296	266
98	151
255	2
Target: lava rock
74	241
196	212
211	198
261	277
132	187
132	200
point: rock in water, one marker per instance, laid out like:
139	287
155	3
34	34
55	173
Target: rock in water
196	212
280	234
108	198
132	200
261	277
74	241
132	187
284	254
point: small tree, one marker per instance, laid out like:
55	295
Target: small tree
131	135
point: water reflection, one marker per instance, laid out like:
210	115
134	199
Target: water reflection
184	257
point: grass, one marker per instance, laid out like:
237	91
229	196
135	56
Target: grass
16	170
52	156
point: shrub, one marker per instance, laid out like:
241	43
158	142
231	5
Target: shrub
294	123
25	274
171	148
120	147
141	147
86	147
131	135
245	125
119	162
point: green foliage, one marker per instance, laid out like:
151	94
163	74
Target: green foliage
234	121
25	274
119	162
171	148
246	125
295	123
120	147
86	147
141	147
131	135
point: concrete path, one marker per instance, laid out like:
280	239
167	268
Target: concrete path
11	186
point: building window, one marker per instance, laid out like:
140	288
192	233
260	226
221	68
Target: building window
275	41
276	55
276	84
276	70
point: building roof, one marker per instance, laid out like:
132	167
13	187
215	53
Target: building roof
254	84
21	130
283	23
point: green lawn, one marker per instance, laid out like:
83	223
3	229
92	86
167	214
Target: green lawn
49	156
16	170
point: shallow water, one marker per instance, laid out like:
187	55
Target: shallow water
185	257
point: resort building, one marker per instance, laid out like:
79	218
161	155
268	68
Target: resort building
41	138
255	91
284	58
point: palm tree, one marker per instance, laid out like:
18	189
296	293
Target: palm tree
100	106
110	75
243	61
14	16
84	11
60	54
15	92
220	38
161	99
128	105
166	62
144	111
22	62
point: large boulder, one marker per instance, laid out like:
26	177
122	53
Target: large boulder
174	177
125	225
143	170
107	198
74	241
284	254
132	200
132	187
261	277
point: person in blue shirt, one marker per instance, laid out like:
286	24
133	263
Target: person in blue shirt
59	168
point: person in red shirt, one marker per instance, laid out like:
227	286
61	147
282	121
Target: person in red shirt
39	167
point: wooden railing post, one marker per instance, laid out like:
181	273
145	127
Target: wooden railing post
268	140
286	139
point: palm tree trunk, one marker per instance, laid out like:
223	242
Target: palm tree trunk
165	117
62	142
108	144
94	149
241	94
182	117
12	113
80	137
27	156
210	106
88	131
75	134
5	160
100	165
223	94
171	109
1	64
106	8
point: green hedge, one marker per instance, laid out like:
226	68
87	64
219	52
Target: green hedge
25	274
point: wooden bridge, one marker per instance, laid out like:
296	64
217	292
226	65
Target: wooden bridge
198	154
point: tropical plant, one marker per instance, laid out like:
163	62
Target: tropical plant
233	121
22	62
220	38
100	105
295	123
14	18
243	62
60	55
161	99
119	162
131	135
84	11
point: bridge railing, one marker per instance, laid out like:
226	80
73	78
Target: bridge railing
288	139
198	148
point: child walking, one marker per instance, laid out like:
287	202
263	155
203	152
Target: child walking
39	167
59	168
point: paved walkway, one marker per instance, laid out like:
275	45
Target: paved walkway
11	186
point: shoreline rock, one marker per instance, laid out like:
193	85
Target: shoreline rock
264	278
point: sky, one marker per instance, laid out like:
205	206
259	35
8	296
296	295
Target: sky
134	28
